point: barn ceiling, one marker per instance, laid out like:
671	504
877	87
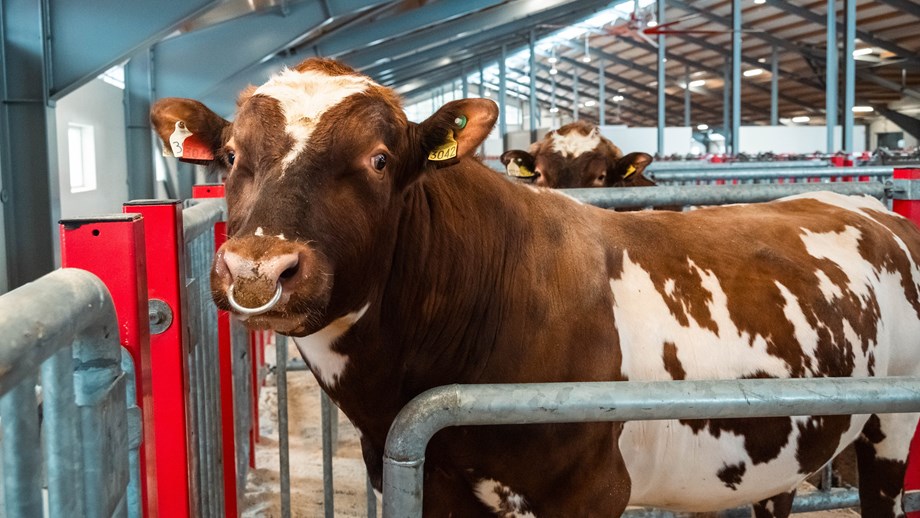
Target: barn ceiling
417	46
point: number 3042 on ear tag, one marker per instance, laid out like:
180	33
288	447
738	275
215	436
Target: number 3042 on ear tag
445	151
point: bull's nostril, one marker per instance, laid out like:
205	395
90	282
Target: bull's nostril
288	273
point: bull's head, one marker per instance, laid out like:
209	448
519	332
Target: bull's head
577	155
317	160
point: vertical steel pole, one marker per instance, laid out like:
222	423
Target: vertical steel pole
533	85
661	79
502	99
574	94
736	76
831	75
281	359
22	462
601	92
328	414
552	100
138	97
61	421
774	89
849	74
687	96
727	104
482	93
464	84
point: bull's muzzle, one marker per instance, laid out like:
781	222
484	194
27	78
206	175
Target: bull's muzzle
243	310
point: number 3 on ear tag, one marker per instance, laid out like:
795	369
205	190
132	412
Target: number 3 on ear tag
445	151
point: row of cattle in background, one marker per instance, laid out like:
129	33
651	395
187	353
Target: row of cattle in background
400	263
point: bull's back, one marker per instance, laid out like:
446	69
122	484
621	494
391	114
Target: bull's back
820	285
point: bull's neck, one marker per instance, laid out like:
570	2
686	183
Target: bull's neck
450	277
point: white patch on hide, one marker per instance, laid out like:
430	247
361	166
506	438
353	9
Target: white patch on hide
575	144
500	498
259	232
830	290
305	97
317	348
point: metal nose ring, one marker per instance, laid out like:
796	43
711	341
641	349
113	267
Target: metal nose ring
253	311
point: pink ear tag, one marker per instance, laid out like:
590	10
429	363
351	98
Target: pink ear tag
187	146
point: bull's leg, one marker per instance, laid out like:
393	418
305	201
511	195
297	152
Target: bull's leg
779	506
881	454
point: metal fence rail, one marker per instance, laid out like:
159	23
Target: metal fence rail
789	175
700	165
63	329
642	197
204	382
508	404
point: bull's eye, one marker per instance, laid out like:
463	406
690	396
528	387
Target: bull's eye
601	177
379	161
231	157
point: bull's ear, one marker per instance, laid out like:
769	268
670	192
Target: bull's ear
628	168
519	163
456	130
189	130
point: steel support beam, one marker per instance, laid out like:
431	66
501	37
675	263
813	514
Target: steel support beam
575	94
510	17
774	88
908	55
831	79
601	92
849	73
662	60
85	40
687	95
186	64
736	77
138	97
905	6
533	86
727	103
28	148
503	98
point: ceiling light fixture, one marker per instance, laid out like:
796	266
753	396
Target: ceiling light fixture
863	109
587	57
752	72
552	57
697	83
863	52
617	98
703	127
801	118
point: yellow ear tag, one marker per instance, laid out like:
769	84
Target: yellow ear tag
518	170
445	151
631	170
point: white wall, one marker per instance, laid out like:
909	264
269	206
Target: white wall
630	139
796	139
100	105
883	125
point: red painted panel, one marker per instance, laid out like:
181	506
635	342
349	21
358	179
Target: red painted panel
112	248
169	352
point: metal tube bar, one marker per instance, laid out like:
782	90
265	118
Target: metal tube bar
62	432
22	463
464	84
754	174
727	103
371	499
639	197
831	75
836	498
328	492
694	166
736	77
200	218
662	56
482	93
457	405
283	447
849	73
774	88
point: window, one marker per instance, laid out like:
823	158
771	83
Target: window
82	157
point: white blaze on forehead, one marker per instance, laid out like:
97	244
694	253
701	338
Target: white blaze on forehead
576	144
501	499
305	97
317	348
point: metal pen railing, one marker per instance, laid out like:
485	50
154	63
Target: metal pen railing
515	404
737	175
62	330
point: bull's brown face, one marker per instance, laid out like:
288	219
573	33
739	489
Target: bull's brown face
576	156
317	160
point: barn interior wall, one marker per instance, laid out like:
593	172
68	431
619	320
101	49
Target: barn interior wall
795	139
883	125
100	105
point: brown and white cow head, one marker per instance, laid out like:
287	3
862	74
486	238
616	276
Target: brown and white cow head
317	159
577	155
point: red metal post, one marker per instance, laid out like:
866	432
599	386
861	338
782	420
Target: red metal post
907	203
113	249
169	351
227	408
